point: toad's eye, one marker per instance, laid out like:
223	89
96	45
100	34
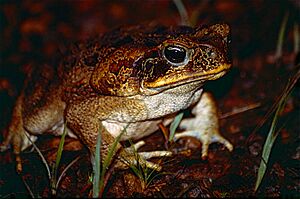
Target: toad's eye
175	55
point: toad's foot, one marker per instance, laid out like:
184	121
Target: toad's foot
142	157
206	139
205	125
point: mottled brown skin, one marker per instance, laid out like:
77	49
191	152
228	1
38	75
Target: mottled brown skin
139	75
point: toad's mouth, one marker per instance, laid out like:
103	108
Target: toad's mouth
175	80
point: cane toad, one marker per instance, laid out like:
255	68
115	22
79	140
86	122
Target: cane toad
132	77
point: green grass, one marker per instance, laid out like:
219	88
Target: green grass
96	166
98	171
272	134
281	36
279	106
52	176
145	174
53	179
174	126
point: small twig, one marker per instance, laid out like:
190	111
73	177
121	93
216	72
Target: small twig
182	12
65	170
240	110
28	188
183	191
41	155
292	81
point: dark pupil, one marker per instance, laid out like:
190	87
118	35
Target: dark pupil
175	54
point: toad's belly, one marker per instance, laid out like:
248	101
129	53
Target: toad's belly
132	131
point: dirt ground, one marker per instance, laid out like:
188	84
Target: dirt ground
32	31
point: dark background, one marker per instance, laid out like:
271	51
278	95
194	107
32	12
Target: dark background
31	32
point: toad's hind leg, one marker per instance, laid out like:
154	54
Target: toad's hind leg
29	120
205	125
17	135
37	110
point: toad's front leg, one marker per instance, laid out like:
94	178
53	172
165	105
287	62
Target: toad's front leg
205	125
84	122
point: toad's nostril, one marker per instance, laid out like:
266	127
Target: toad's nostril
211	54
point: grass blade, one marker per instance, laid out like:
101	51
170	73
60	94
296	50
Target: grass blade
98	171
281	36
296	38
57	161
272	135
110	155
96	166
174	125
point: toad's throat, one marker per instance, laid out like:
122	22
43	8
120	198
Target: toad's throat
171	81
